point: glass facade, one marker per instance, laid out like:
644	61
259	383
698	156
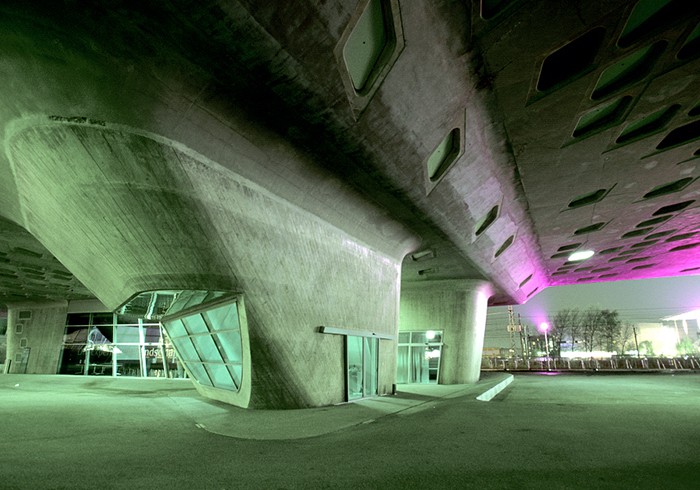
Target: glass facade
205	330
418	358
108	344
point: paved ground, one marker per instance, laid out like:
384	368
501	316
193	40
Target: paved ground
564	431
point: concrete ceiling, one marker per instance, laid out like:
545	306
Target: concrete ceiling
573	126
29	272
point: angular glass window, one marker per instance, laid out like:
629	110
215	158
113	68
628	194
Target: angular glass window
504	246
444	155
628	70
650	16
571	246
649	125
207	337
680	136
590	198
639	232
367	45
653	221
590	228
672	208
570	61
491	8
602	117
486	221
691	48
525	281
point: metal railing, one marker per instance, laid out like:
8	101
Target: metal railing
687	363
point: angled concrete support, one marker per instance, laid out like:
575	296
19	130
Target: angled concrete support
458	308
184	222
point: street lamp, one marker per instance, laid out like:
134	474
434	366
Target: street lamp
544	326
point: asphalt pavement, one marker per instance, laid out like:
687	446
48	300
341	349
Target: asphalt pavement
543	430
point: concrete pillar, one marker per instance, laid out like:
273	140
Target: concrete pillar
35	336
458	308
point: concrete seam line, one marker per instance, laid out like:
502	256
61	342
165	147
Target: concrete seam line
489	394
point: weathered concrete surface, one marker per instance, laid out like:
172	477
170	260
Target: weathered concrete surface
609	432
261	81
458	308
41	333
212	95
213	145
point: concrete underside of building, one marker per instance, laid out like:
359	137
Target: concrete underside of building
342	170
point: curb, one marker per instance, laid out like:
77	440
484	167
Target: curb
489	394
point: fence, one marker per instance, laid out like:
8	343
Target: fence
591	364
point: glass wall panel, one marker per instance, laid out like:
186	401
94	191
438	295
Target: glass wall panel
176	329
362	358
128	360
402	365
195	299
102	319
128	335
419	365
220	376
78	319
128	347
418	358
199	373
152	334
371	362
223	318
354	354
214	295
194	324
231	346
210	342
187	350
206	348
236	373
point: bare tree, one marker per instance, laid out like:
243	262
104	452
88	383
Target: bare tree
609	329
590	325
625	339
567	324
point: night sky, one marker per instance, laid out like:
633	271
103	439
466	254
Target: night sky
639	301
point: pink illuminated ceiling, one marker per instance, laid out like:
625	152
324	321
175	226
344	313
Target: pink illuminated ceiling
572	125
602	111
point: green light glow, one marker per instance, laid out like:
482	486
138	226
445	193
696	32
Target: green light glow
366	45
443	155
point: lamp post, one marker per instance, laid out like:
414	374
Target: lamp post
544	326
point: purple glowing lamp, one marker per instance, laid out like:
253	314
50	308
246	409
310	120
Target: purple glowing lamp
544	326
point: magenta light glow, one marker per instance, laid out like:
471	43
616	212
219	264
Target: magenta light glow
544	326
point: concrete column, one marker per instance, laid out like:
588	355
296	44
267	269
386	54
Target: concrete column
36	328
458	308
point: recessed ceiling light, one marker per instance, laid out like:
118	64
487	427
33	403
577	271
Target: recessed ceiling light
581	255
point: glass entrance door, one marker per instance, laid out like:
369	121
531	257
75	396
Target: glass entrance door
362	361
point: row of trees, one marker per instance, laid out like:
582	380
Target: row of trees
591	329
